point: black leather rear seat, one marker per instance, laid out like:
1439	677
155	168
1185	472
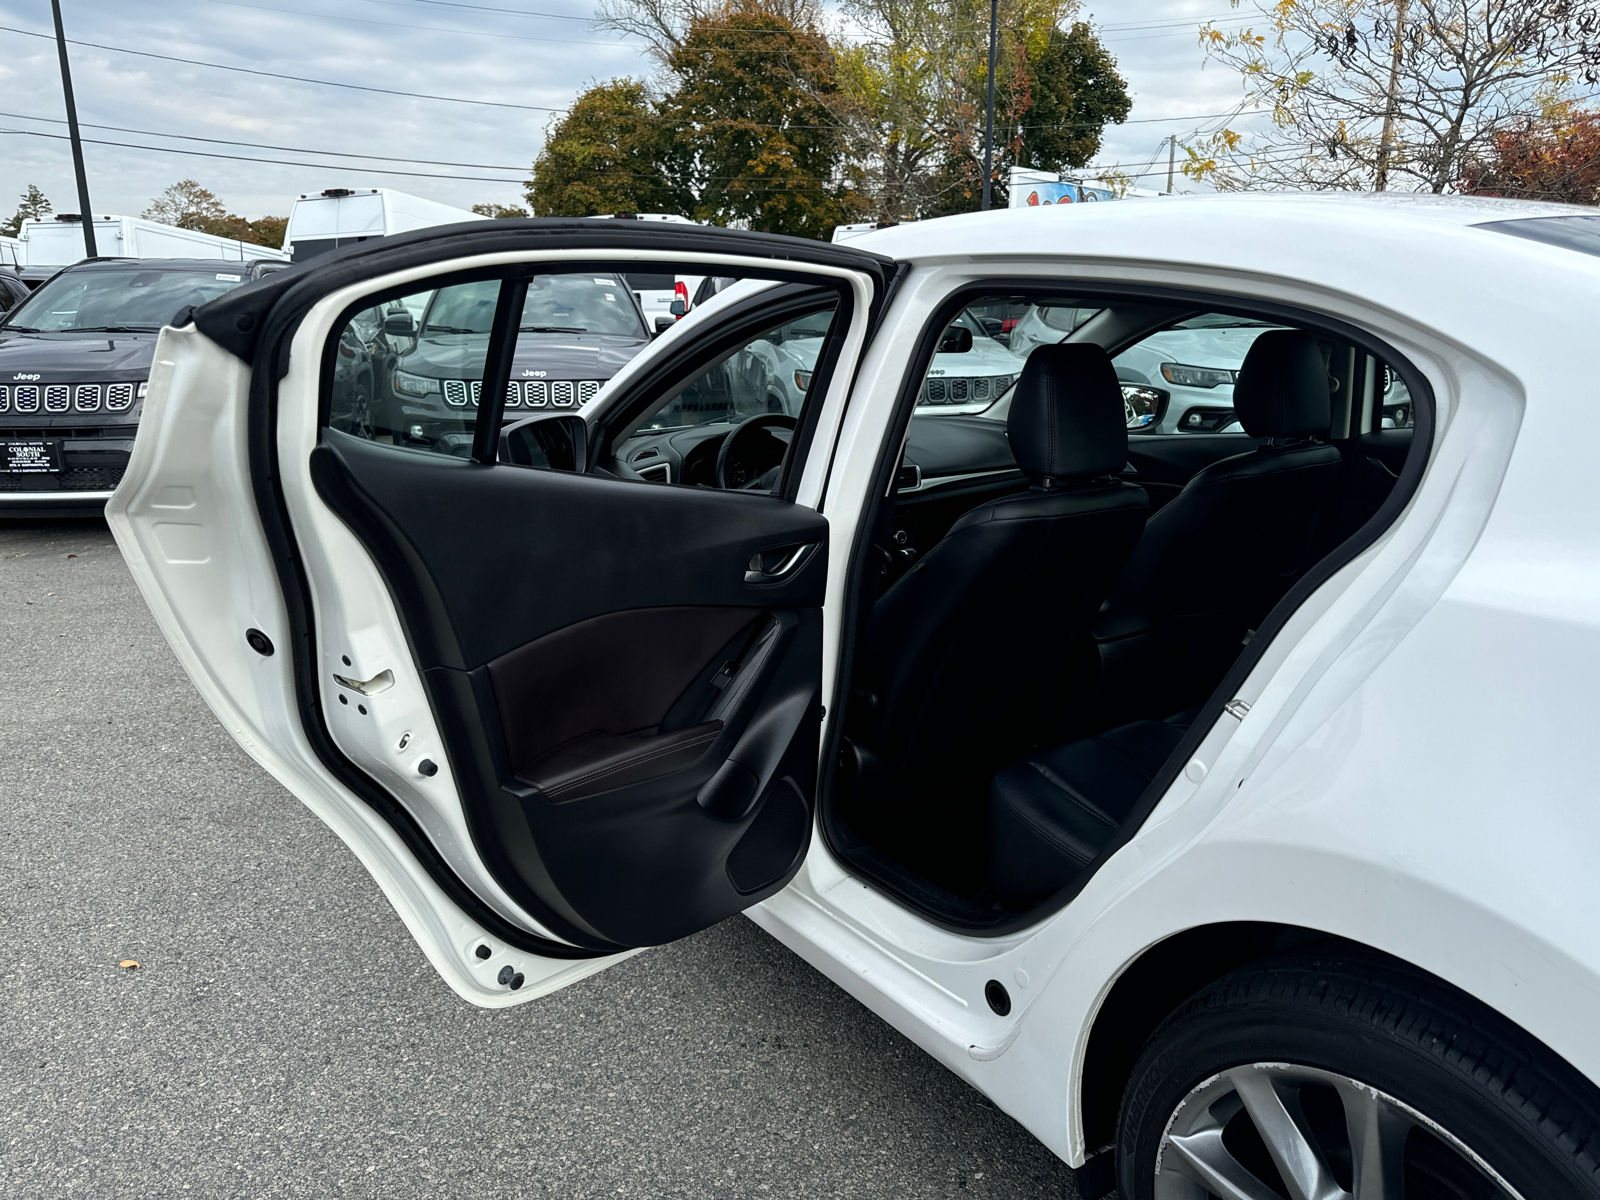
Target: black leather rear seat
1051	813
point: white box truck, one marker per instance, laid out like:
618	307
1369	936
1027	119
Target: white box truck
57	240
324	221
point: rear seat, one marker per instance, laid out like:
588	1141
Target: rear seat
1051	813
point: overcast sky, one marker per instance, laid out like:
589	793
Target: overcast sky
480	50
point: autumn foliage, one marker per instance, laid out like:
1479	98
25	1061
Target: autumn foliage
1556	157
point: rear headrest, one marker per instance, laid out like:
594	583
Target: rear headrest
1067	420
1282	388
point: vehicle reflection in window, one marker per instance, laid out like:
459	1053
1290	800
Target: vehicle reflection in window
769	374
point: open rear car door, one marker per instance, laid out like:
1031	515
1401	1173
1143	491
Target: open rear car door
561	704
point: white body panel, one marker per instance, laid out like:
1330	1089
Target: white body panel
1412	774
1413	770
58	243
367	213
13	252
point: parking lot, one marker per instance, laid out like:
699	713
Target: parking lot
282	1034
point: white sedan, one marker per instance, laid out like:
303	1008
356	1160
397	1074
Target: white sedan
1220	805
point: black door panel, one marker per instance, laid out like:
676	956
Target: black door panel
483	559
630	713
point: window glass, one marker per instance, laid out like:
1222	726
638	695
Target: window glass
972	367
1395	410
110	298
408	372
771	373
1180	379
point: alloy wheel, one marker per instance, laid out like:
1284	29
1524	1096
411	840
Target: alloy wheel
1276	1131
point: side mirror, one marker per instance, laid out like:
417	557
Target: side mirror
679	308
956	340
557	441
400	324
665	323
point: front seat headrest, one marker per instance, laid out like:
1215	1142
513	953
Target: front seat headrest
1282	387
1067	419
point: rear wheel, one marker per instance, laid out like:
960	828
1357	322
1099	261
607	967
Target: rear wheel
1311	1079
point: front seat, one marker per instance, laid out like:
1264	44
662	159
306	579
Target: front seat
1224	551
981	649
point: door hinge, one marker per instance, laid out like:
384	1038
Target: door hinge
1236	708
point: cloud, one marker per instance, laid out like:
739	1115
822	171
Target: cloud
405	46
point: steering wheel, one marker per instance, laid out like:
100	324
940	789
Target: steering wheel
731	470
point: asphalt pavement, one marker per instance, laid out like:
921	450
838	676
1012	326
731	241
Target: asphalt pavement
282	1034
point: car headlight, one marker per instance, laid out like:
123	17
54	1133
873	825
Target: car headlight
143	388
415	385
802	380
1195	377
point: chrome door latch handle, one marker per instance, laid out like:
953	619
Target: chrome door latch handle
769	566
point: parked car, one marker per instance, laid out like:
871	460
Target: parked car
75	356
575	332
13	291
1244	849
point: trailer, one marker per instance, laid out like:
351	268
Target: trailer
324	221
56	241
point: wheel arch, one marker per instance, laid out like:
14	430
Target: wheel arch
1157	981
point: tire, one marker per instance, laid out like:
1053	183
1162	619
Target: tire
1462	1103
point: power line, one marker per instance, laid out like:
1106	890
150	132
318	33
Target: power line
188	137
521	37
359	87
255	159
505	104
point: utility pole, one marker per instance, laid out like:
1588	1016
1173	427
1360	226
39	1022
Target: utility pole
87	213
1172	159
1381	183
988	128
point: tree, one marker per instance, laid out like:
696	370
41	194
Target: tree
34	204
1392	93
749	131
664	24
499	211
187	205
1555	157
915	91
602	157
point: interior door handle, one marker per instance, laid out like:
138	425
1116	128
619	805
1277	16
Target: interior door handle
769	566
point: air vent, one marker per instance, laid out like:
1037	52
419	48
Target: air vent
644	454
910	478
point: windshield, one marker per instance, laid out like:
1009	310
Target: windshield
119	300
555	304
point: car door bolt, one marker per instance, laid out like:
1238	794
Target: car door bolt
405	740
1195	771
507	973
483	951
362	709
343	699
259	642
516	981
999	999
428	767
1237	708
345	659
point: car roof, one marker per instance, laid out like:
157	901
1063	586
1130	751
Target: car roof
164	264
1229	217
